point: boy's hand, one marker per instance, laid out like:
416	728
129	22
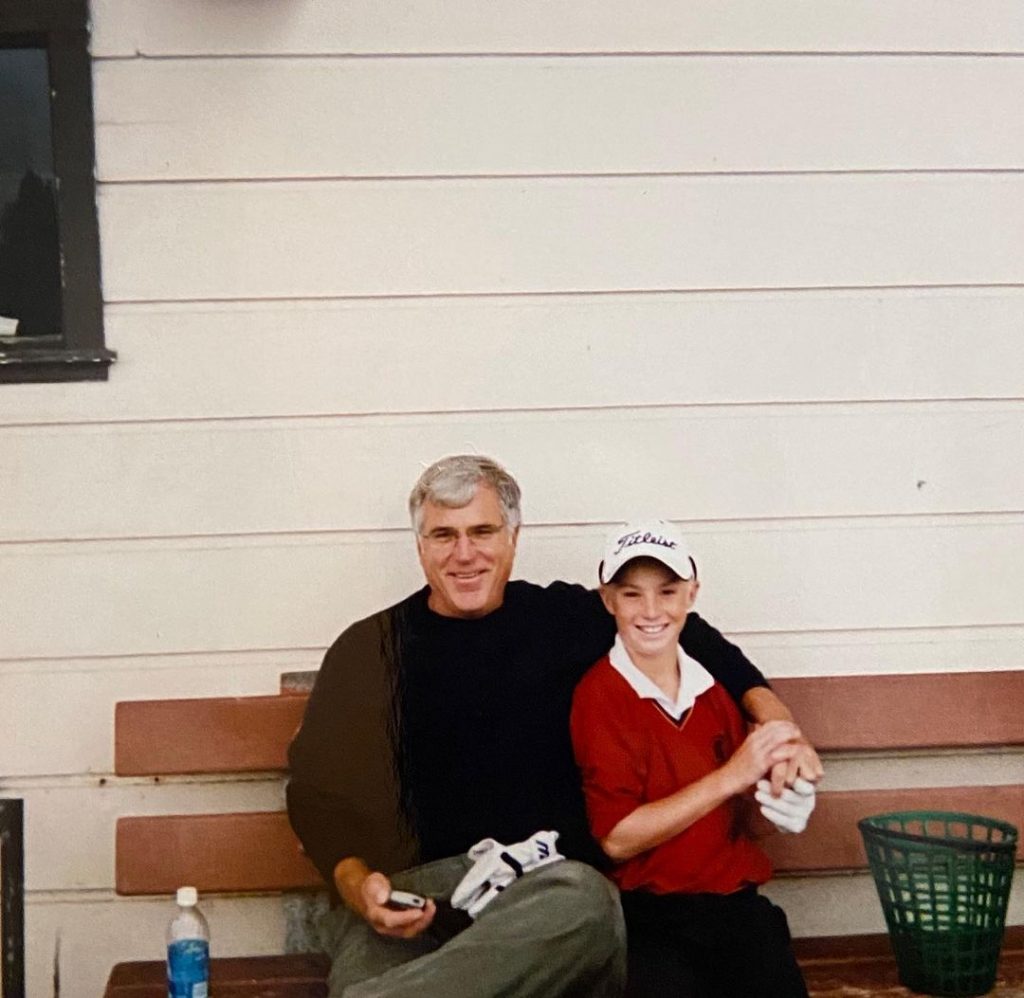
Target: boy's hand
790	810
768	744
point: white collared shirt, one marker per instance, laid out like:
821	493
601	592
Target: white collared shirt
694	679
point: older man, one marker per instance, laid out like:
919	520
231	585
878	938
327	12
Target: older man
443	720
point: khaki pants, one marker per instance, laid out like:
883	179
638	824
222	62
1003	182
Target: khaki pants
556	932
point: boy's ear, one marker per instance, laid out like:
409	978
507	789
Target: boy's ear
606	598
694	589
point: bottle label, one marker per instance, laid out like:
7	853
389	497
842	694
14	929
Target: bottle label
188	968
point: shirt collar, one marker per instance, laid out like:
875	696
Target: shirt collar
694	680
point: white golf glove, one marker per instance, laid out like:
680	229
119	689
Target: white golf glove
790	811
496	866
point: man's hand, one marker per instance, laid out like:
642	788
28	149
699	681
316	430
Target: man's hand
803	764
763	705
407	924
366	892
769	744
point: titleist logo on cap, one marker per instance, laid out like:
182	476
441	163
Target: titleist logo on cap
643	537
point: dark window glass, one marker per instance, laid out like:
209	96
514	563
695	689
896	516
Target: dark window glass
30	292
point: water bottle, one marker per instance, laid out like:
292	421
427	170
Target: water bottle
188	949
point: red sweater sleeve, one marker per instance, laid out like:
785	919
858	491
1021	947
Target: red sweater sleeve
609	750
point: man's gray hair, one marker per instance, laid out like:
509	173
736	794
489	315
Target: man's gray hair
452	482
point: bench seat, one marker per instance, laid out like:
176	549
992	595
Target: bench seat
837	967
298	975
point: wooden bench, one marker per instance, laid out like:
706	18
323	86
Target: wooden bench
257	852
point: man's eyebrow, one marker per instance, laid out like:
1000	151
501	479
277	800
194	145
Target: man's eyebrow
476	528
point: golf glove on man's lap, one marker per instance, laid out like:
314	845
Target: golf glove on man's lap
496	866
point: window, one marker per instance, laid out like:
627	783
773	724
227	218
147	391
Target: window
51	310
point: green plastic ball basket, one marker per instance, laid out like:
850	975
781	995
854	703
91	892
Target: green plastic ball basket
944	882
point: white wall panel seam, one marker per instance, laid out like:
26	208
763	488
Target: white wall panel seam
399	178
458	297
866	651
824	406
555	54
311	536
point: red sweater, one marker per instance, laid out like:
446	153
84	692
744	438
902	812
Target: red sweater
631	753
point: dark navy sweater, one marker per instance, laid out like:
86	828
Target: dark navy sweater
425	733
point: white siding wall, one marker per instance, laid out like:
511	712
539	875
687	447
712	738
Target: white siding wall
766	257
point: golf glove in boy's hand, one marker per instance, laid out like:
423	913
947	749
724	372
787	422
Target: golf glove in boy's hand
790	811
496	866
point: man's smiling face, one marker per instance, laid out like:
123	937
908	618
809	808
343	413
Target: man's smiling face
466	554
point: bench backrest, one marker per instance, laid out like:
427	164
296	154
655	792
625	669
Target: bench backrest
258	852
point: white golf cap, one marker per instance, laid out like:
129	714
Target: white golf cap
657	539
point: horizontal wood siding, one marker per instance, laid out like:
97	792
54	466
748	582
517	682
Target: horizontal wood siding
225	594
443	117
184	468
552	352
150	27
491	236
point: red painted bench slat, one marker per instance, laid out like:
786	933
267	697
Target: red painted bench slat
832	841
212	735
259	852
919	710
879	713
214	852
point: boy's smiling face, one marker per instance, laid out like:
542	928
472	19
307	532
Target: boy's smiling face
649	603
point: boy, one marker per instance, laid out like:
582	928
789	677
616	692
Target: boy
664	755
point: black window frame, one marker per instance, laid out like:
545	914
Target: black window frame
12	898
79	353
